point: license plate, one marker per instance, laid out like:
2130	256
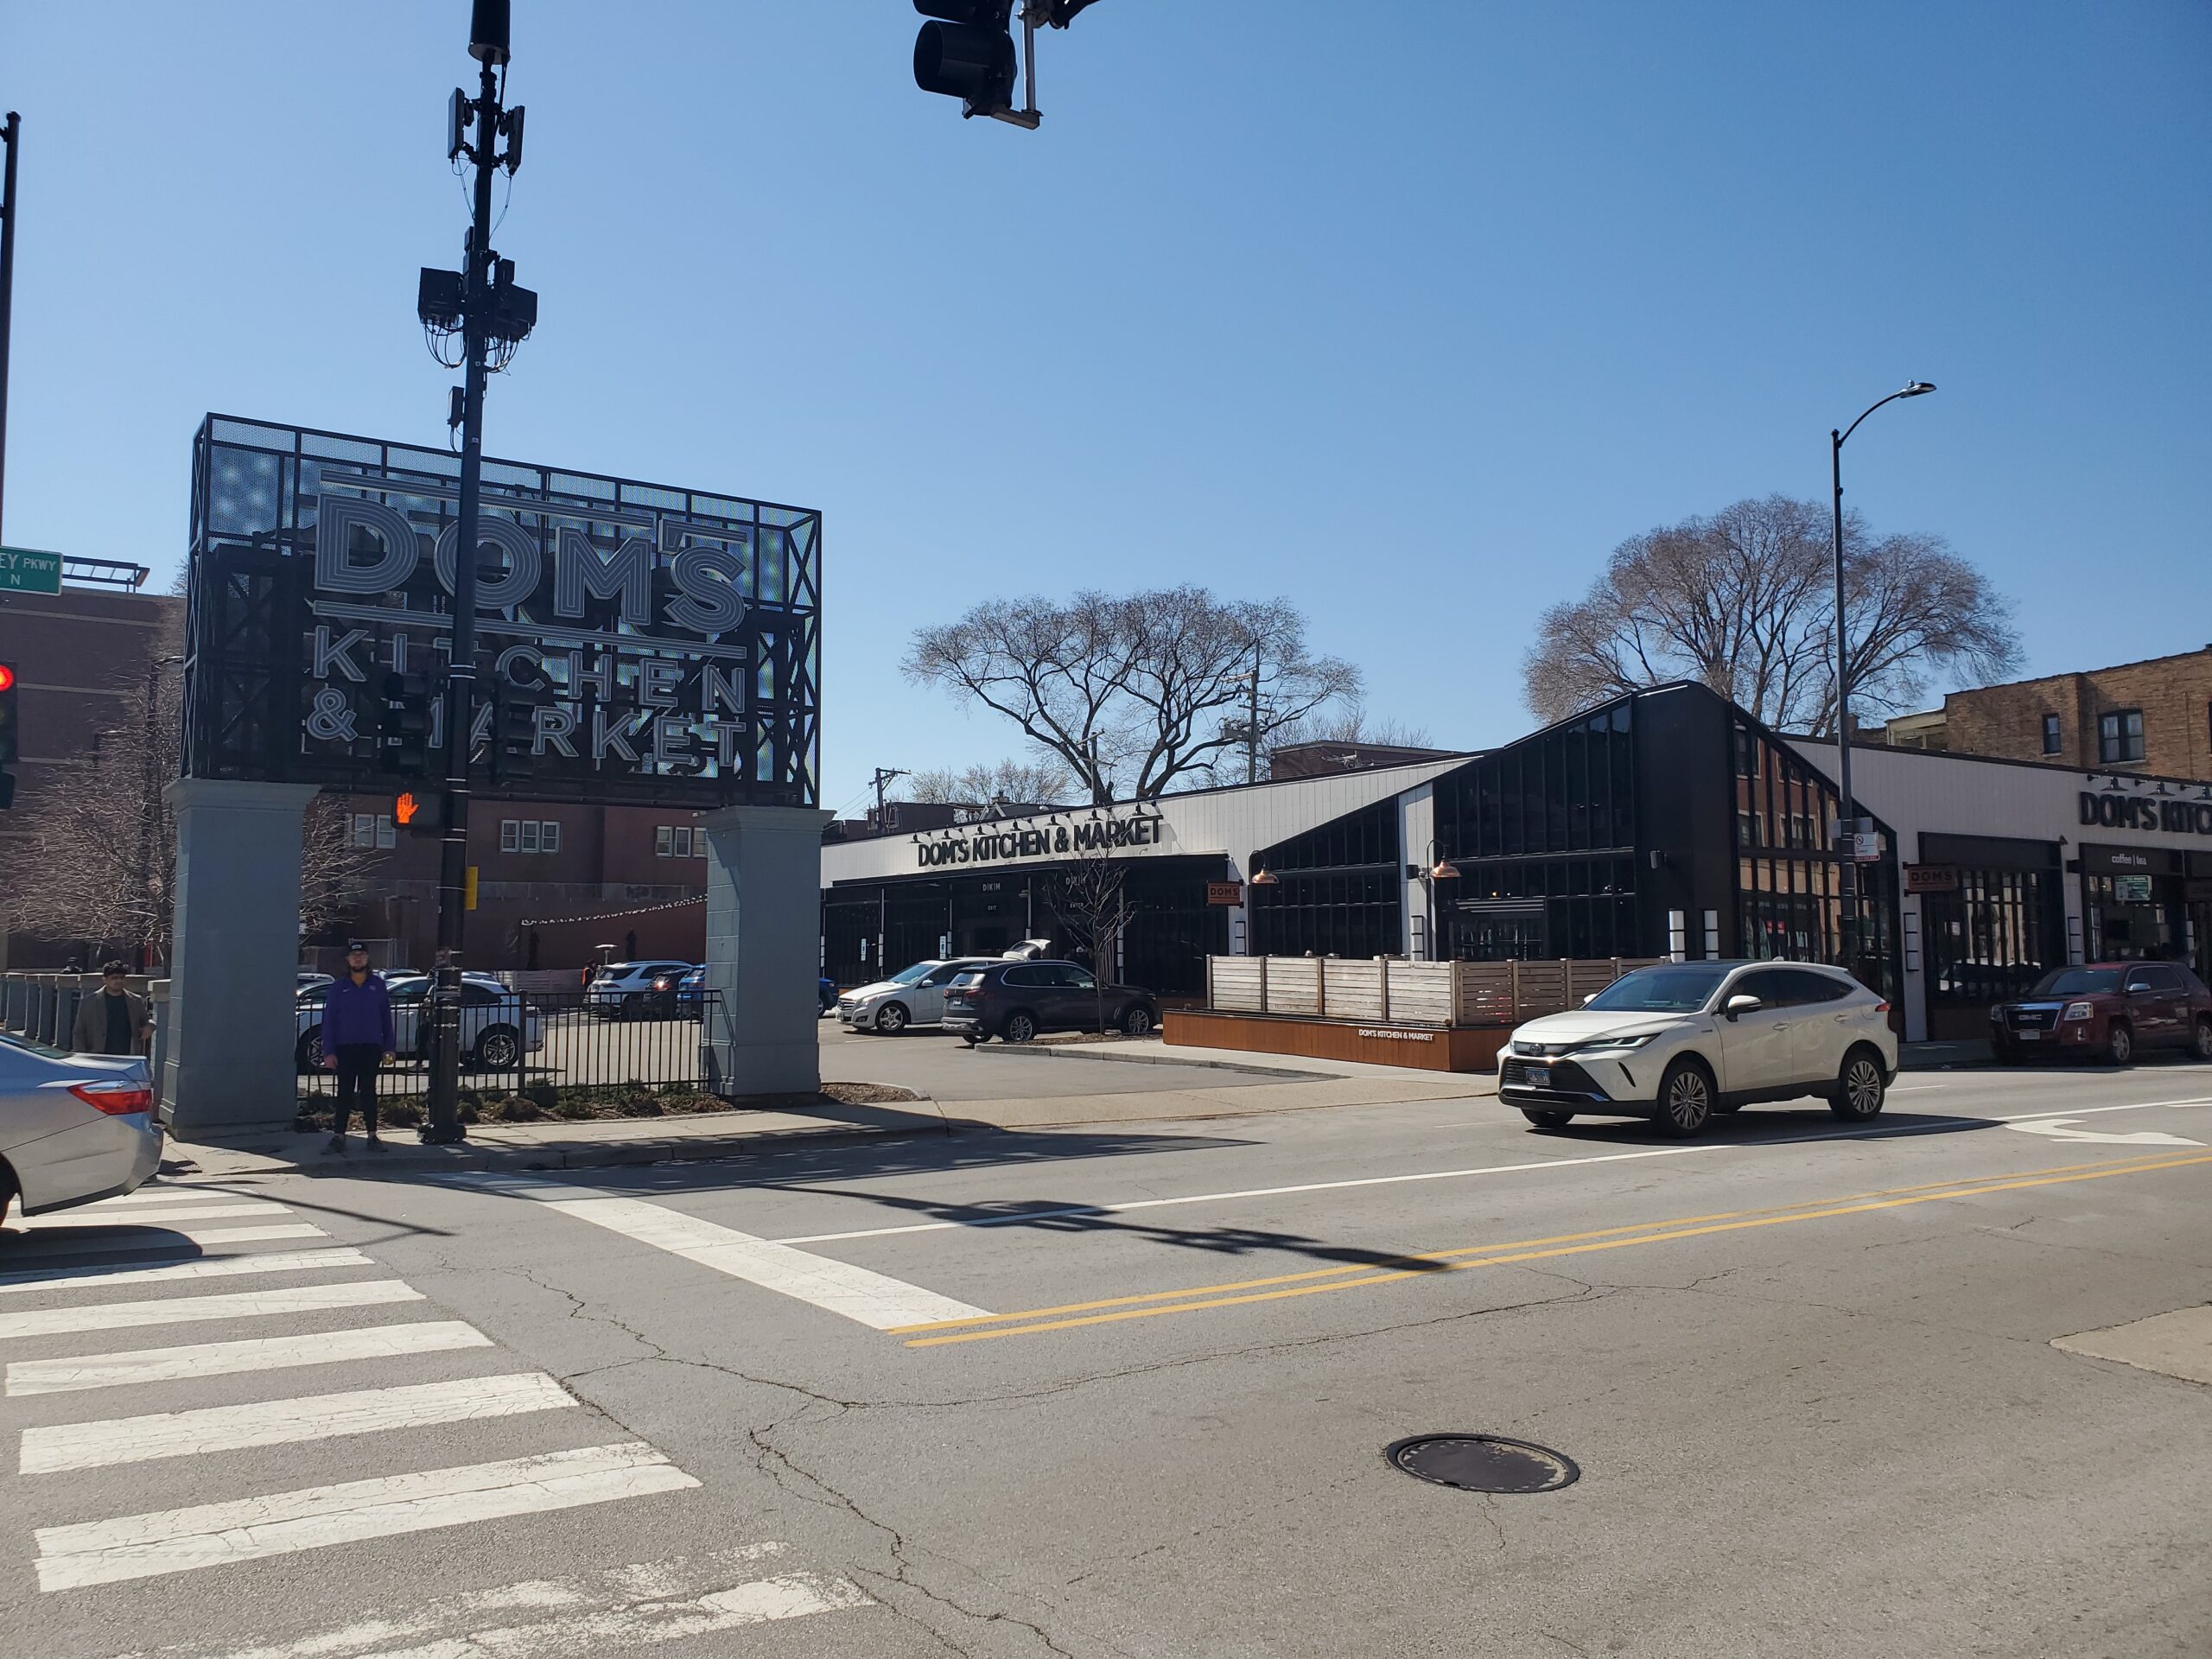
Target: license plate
2028	1036
1540	1077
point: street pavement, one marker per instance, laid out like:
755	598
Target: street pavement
1125	1388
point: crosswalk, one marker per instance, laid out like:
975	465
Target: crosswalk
79	1332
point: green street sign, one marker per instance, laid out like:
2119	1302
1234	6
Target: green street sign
27	570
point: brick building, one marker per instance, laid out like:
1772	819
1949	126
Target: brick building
83	656
2151	717
554	882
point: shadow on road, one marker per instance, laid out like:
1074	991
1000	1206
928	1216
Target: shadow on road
1761	1124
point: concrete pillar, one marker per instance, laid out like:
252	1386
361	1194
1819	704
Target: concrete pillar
228	1057
764	949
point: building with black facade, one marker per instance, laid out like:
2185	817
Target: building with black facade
1667	822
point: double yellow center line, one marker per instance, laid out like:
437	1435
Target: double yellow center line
1199	1299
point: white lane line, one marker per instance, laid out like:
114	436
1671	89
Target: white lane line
1001	1218
184	1310
316	1517
250	1353
107	1242
872	1298
154	1271
55	1446
90	1216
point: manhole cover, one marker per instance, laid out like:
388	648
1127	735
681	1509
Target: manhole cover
1482	1463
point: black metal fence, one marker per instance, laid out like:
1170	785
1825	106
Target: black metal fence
548	1055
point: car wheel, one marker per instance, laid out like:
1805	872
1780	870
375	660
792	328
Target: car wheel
1860	1087
891	1019
1019	1028
972	1041
1685	1095
2119	1048
499	1049
1546	1119
2201	1048
1137	1022
309	1050
7	1191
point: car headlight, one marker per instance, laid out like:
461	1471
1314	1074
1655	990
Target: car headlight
1997	1013
1616	1044
2078	1011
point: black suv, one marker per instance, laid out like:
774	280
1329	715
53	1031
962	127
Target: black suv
1014	1001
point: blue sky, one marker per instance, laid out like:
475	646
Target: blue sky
1409	313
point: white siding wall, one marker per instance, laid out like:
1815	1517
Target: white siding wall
1916	793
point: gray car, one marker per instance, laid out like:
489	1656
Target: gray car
73	1127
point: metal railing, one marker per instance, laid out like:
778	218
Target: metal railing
547	1055
1388	991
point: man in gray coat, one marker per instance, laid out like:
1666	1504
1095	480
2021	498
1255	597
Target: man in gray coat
113	1021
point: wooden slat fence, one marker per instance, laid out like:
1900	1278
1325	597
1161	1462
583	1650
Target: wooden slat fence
1385	990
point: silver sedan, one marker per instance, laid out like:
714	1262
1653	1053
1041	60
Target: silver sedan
73	1127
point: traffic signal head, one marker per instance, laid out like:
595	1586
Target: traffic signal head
514	748
10	740
404	725
968	54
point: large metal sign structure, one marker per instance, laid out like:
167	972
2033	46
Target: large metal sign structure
666	641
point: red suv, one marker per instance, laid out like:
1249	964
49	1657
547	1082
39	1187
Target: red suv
2106	1010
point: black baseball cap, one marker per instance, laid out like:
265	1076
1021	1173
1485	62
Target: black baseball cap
356	945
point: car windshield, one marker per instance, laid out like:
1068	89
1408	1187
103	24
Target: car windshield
2078	982
1675	989
914	975
969	976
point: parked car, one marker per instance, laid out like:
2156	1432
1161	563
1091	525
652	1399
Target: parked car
498	1027
1679	1042
2106	1010
624	990
308	982
912	996
825	991
1014	1001
73	1127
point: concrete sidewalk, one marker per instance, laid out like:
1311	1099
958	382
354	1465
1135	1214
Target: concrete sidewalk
614	1141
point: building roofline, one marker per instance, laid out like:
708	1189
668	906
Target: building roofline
1863	747
2076	673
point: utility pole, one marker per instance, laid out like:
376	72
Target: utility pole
883	775
14	138
491	309
1252	723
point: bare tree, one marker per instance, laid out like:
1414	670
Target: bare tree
1743	602
1138	694
103	848
1029	783
1089	898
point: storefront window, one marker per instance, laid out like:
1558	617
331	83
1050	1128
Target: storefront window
1337	890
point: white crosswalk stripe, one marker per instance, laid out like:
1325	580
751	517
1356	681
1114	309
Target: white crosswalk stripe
314	1517
186	1310
282	1422
27	1376
154	1271
166	1453
154	1195
58	1245
78	1220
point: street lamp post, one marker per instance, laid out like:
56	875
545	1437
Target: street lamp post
1848	941
1439	869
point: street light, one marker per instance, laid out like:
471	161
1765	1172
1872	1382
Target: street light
1441	870
1849	896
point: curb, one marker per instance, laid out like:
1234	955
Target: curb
1081	1051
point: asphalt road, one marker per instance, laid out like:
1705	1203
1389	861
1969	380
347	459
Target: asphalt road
1129	1393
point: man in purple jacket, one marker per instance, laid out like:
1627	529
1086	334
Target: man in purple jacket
358	1034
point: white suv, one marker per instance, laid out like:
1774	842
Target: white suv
1681	1041
912	996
